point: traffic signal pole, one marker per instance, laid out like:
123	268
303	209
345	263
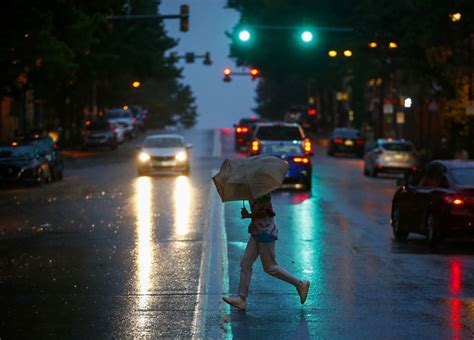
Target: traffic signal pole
183	16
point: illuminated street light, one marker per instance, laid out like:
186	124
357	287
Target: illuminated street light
125	107
348	53
455	17
307	37
373	44
244	35
136	84
392	45
332	53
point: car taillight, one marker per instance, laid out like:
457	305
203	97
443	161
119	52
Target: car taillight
304	160
359	141
307	146
338	140
112	128
453	200
255	147
242	129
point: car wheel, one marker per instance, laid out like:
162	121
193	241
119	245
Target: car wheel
307	182
366	171
330	152
40	177
400	234
373	172
432	231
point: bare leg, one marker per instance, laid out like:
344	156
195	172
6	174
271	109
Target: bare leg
271	267
250	255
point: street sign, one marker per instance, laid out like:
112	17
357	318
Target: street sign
400	117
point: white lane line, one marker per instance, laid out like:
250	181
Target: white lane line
214	262
217	144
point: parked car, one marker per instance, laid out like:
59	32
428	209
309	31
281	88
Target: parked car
346	140
437	202
47	148
23	163
98	133
161	153
280	135
300	166
390	156
124	118
243	132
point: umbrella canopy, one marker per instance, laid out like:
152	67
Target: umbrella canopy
249	178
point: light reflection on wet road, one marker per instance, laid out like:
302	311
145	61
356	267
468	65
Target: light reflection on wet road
121	258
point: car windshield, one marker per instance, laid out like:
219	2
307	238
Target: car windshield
98	126
404	147
463	176
288	149
113	114
163	142
346	133
16	152
279	133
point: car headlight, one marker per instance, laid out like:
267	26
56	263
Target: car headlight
144	157
181	156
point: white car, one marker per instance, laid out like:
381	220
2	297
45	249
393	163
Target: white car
125	119
163	153
119	131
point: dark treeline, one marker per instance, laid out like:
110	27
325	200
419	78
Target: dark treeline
72	59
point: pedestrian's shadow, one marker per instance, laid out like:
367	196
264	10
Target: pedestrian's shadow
242	324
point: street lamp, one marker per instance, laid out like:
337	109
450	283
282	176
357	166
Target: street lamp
136	84
373	44
348	53
392	45
332	53
455	17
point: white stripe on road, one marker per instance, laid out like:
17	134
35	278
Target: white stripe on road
214	261
217	145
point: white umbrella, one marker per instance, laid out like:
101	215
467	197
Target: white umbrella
249	178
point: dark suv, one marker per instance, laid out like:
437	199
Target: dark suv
98	133
47	149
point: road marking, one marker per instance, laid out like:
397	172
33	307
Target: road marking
214	261
217	145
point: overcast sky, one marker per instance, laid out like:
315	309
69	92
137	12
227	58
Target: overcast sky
219	104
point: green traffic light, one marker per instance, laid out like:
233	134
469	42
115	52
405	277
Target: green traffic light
307	37
244	35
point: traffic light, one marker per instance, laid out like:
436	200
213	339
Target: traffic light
189	57
244	35
184	20
254	73
307	36
227	73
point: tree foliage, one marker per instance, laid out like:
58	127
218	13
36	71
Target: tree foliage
71	55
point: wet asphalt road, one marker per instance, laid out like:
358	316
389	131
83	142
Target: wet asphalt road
107	254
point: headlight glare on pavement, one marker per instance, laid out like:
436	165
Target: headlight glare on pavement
144	157
181	156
